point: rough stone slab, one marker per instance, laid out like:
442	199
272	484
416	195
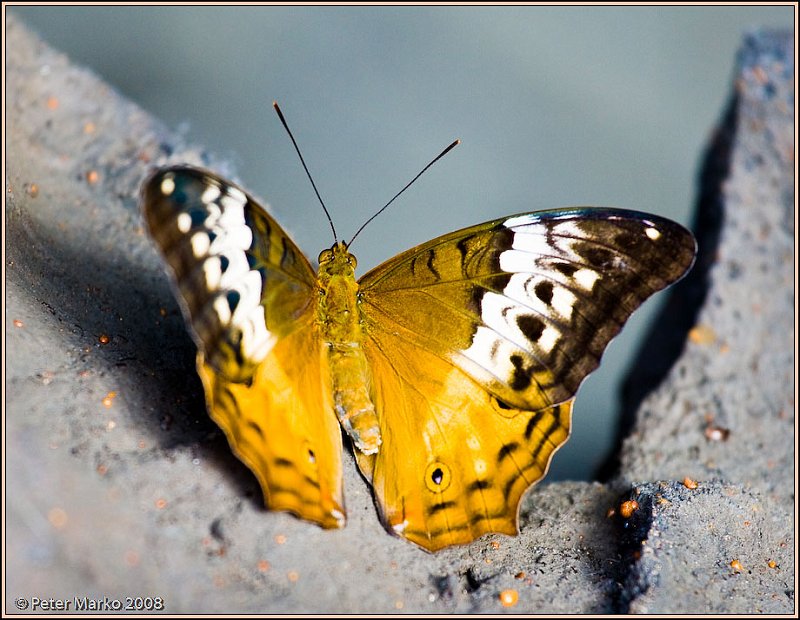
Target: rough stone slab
736	372
726	410
699	554
119	485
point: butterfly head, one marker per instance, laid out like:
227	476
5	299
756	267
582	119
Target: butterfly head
337	261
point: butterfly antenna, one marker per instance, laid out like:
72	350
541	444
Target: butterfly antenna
303	161
435	159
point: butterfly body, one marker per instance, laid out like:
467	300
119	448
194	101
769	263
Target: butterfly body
341	331
452	367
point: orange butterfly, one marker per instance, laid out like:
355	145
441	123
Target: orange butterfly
452	367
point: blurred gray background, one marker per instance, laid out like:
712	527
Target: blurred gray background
556	106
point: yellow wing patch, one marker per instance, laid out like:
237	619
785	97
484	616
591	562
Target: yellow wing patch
471	457
274	426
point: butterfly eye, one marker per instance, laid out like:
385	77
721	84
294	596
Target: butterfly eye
437	477
325	256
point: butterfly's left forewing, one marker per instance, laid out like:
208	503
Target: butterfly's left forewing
248	295
477	343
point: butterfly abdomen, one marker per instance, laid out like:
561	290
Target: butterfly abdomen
339	320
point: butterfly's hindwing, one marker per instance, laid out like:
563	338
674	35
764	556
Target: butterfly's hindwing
516	312
472	456
248	295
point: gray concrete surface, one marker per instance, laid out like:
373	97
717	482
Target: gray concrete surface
118	485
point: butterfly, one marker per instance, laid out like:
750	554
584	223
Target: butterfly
452	367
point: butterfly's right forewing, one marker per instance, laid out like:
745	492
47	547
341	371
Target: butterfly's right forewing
248	295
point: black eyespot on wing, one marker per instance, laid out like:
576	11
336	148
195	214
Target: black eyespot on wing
521	380
568	269
233	298
532	327
544	291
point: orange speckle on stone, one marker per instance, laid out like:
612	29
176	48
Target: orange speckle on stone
141	445
92	177
162	311
32	189
520	575
737	566
280	539
702	334
103	339
57	517
161	503
399	604
724	348
610	513
627	508
131	557
102	469
263	566
746	523
109	399
509	598
772	564
689	483
487	560
18	323
89	127
52	103
495	544
293	575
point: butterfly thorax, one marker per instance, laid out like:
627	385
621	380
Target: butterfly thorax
339	321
